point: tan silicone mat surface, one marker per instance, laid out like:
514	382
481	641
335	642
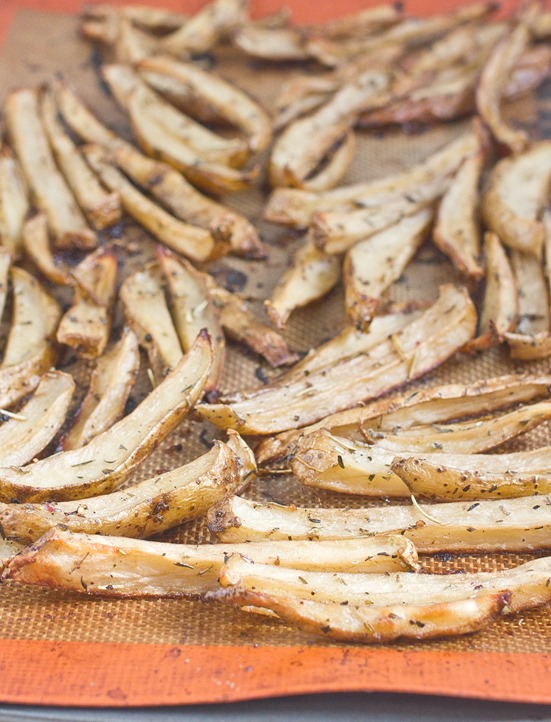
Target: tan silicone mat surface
39	45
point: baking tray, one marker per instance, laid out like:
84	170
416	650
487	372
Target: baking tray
62	649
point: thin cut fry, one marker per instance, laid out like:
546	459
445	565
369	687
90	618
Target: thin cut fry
36	244
14	202
110	386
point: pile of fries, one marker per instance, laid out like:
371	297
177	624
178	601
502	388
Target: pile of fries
71	515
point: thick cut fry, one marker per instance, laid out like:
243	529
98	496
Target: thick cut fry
22	438
455	477
148	507
190	241
311	275
372	265
306	143
423	407
203	30
87	324
335	166
227	101
30	349
48	187
497	70
147	314
192	310
457	230
500	304
105	462
110	386
410	353
515	195
14	202
36	245
123	567
100	207
271	43
240	324
295	207
515	525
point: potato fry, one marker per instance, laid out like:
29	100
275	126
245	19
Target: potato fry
150	17
276	44
192	310
48	187
514	525
500	304
147	314
495	73
228	102
14	202
22	438
311	275
36	245
335	167
100	207
110	385
467	477
5	263
30	348
87	324
433	405
106	461
410	353
156	569
372	265
514	198
148	507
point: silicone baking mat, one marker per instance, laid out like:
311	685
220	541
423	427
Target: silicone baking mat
64	649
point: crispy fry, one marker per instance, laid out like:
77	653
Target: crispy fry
47	185
514	198
39	420
228	102
456	477
500	304
434	405
147	314
192	310
372	265
36	244
156	569
110	385
271	43
87	324
410	353
14	202
30	348
106	461
514	525
148	507
335	167
100	207
311	275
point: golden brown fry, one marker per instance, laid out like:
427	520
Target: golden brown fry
147	314
500	304
192	310
110	385
106	461
30	349
151	568
456	477
148	507
514	198
22	438
36	244
48	187
87	324
372	265
228	102
100	207
408	354
514	525
14	202
310	276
